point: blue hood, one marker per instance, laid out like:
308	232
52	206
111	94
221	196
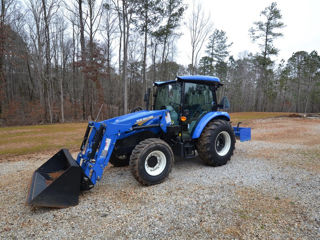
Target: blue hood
132	118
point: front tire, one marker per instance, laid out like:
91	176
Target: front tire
151	161
216	143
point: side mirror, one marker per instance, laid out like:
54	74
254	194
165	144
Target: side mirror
224	103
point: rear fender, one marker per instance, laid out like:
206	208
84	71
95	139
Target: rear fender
207	118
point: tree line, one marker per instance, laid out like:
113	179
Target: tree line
62	60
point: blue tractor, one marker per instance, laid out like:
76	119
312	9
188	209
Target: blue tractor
185	119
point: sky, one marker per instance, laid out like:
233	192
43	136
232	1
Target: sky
235	17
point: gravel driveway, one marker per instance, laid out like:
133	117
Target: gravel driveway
269	190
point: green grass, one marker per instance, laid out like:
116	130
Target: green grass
23	140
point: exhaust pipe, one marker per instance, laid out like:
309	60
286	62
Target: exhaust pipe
57	183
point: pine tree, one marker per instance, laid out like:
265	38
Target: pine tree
265	32
218	48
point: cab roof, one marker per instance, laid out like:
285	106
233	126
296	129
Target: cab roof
209	80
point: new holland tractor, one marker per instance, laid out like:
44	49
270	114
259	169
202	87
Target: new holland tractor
185	120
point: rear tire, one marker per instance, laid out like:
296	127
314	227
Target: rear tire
216	143
151	161
119	161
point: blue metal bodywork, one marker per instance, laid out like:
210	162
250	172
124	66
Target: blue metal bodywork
199	79
193	79
116	129
207	118
243	134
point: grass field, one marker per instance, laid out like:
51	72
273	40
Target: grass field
22	140
31	139
245	116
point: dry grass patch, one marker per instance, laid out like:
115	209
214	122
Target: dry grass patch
247	116
41	138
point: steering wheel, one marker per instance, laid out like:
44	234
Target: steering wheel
136	109
197	110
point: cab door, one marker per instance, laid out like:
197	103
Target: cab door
198	100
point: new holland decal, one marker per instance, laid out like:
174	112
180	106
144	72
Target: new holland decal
141	121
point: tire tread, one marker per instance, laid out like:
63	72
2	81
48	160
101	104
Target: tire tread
204	143
138	151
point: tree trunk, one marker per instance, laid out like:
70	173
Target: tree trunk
2	41
47	72
83	62
125	55
163	59
63	62
144	80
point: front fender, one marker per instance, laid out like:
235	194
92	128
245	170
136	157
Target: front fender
204	121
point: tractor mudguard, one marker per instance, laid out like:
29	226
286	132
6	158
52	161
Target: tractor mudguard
204	121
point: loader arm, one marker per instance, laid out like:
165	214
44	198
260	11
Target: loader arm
102	136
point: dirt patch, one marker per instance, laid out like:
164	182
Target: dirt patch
287	130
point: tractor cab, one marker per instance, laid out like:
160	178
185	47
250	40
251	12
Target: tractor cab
188	99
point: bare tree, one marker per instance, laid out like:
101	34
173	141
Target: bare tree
78	18
199	26
7	8
125	11
109	33
47	72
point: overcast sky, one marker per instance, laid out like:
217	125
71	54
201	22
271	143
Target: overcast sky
235	17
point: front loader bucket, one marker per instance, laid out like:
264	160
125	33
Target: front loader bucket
56	183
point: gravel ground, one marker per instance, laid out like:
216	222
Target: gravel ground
269	190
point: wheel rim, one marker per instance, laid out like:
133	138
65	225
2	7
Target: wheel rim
155	163
223	143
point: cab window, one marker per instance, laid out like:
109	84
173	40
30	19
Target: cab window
169	97
198	100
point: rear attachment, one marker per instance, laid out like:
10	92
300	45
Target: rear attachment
243	134
57	183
